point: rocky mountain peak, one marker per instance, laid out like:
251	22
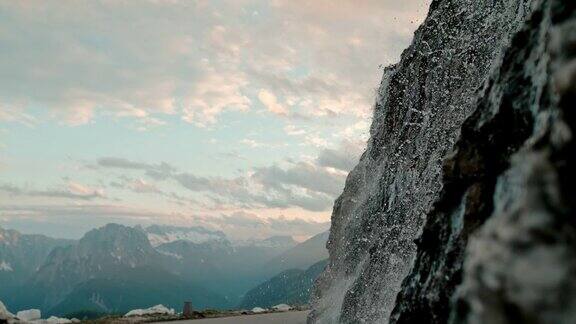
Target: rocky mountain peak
115	238
8	236
102	252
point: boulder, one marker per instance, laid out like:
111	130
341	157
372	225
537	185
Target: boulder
154	310
58	320
4	313
29	315
282	308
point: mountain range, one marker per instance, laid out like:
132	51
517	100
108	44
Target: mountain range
290	287
21	255
300	256
116	268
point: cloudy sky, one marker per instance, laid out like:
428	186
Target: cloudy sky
240	115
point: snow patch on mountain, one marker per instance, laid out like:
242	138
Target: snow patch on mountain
271	242
170	254
6	266
158	234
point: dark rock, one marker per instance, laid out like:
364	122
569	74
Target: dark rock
460	208
520	267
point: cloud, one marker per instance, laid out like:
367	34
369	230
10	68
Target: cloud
344	158
244	219
146	187
316	141
292	130
72	221
212	95
269	100
71	190
302	184
271	187
142	186
15	113
311	185
232	155
156	171
249	225
297	225
112	162
250	142
146	60
303	175
307	67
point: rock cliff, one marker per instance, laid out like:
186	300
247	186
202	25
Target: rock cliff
460	209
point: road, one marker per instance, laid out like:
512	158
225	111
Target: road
272	318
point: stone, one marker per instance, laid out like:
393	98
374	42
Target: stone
29	315
58	320
5	315
281	308
154	310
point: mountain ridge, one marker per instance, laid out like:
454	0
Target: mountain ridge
211	271
292	287
22	254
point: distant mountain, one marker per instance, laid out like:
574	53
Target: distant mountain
290	287
115	267
199	262
135	288
252	256
300	256
101	252
278	242
227	268
21	255
109	256
162	234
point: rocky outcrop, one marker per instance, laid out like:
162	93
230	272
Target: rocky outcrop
460	211
521	265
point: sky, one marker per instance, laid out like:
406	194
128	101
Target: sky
242	115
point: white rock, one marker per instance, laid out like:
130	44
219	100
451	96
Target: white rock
58	320
75	320
155	310
29	315
281	307
4	313
258	310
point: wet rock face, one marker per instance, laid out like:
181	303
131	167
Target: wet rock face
460	211
520	267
